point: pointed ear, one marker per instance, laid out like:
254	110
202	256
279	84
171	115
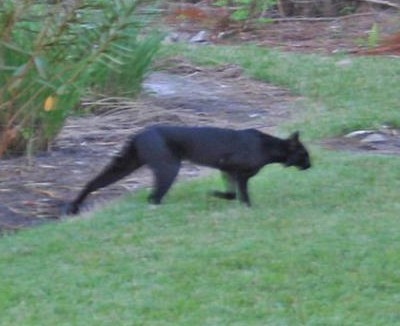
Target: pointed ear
295	137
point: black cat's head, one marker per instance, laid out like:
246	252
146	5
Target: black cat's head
297	153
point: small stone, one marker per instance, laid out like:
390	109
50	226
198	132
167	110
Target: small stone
359	133
374	138
200	37
225	35
171	38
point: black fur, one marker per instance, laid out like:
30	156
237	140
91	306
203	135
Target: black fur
238	154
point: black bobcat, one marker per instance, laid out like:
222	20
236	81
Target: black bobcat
238	154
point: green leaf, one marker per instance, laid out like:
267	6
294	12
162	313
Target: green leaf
14	84
373	37
112	59
221	3
21	70
41	66
15	48
8	68
62	90
241	14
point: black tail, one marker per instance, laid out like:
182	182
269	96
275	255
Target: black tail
123	164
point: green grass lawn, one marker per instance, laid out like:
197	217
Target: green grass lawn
319	247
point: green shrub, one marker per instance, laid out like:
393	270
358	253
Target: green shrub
248	9
50	55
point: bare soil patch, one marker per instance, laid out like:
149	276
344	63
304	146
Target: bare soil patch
347	34
327	35
33	190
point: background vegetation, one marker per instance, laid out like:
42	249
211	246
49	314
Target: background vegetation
51	54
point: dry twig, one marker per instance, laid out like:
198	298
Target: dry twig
382	3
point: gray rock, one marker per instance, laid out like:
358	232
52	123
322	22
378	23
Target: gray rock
359	133
374	138
172	38
200	37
